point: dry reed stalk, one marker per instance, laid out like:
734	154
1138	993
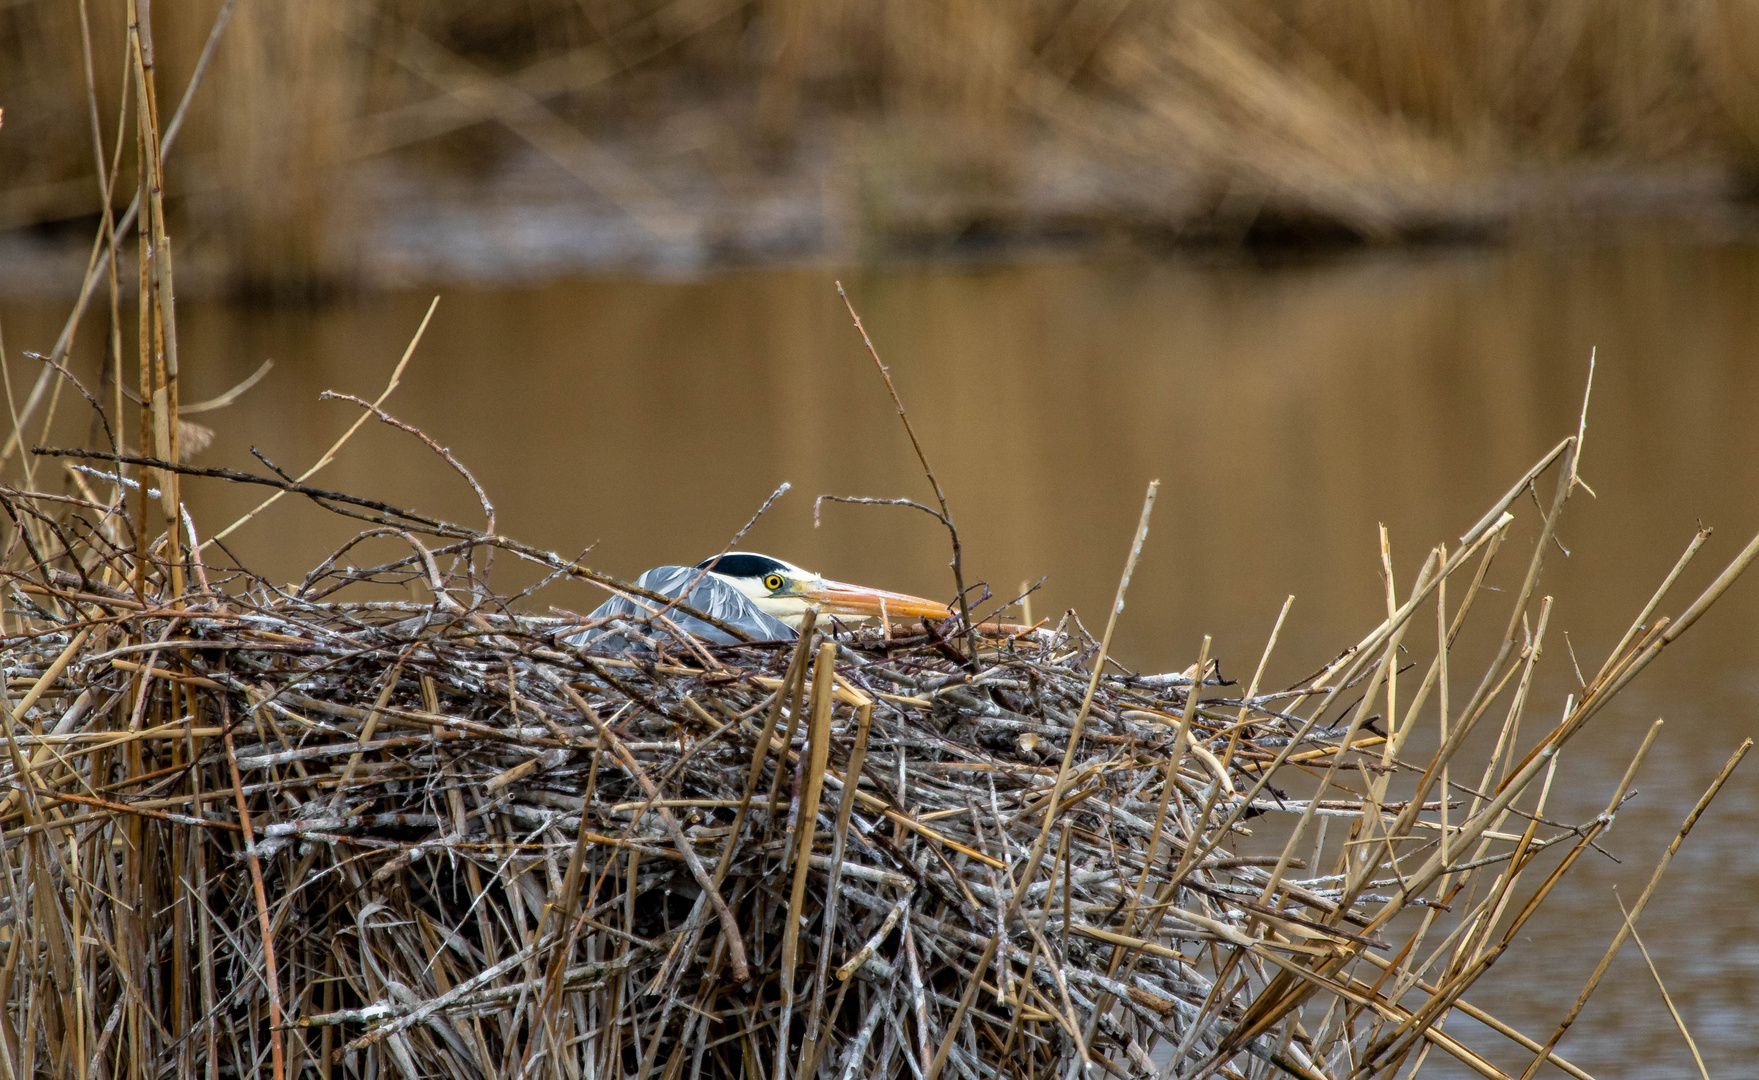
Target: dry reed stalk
1667	998
330	454
113	231
1629	926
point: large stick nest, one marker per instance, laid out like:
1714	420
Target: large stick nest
276	830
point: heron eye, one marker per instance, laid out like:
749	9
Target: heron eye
773	583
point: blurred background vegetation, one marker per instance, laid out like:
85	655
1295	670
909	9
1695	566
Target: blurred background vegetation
339	142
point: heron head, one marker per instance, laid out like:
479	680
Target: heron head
786	591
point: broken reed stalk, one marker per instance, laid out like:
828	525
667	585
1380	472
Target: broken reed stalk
461	843
1667	998
805	825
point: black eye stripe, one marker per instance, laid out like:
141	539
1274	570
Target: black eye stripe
741	565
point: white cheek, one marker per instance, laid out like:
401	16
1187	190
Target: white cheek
788	609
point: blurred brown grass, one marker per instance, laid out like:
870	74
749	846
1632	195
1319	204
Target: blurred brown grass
1198	119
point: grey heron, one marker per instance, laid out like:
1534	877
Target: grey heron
784	591
763	596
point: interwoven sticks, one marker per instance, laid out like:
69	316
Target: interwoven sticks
431	837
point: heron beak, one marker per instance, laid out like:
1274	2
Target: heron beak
861	602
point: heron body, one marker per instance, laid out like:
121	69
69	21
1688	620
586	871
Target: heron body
707	594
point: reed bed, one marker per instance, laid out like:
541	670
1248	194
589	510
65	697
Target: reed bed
1193	121
251	829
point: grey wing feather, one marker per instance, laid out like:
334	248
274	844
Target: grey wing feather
711	595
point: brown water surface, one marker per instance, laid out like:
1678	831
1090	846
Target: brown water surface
1288	412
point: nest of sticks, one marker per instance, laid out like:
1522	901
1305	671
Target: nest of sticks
256	830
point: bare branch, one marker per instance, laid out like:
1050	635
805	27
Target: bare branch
946	515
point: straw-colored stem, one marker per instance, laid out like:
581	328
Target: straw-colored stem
1630	921
271	976
1667	998
818	749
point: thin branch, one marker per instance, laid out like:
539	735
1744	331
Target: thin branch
712	563
946	515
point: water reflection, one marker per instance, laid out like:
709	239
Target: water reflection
1288	412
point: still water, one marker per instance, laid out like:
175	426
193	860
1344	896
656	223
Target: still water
1288	411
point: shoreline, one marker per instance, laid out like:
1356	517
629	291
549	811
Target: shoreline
527	222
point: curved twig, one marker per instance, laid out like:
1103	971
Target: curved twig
863	500
731	544
946	515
